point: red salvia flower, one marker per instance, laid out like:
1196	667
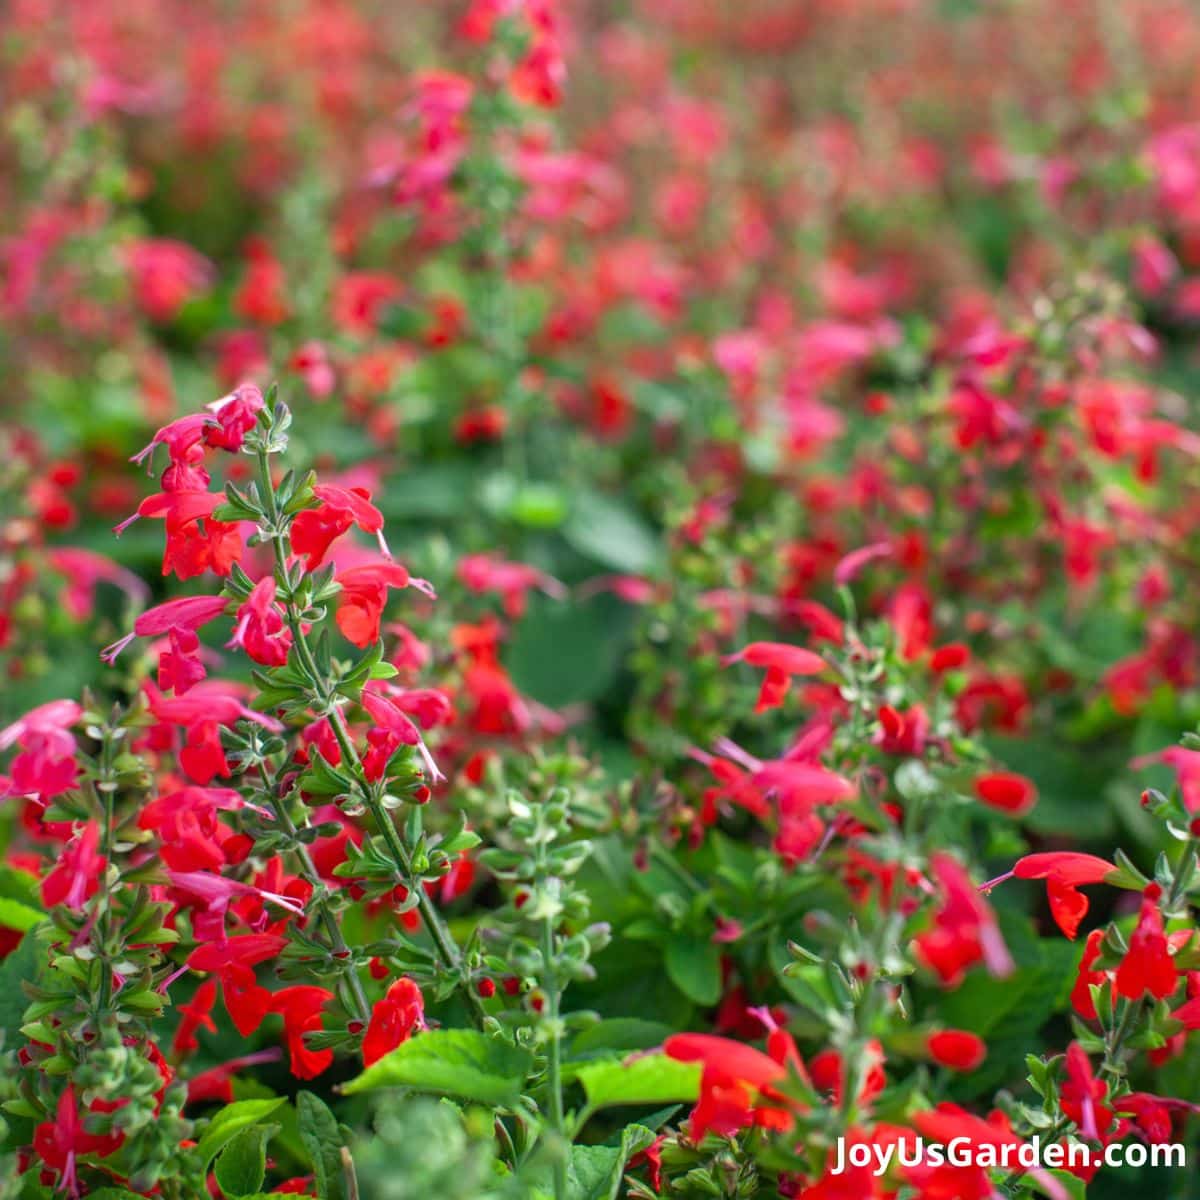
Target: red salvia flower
1007	792
1063	872
79	872
300	1007
956	1048
393	1020
1147	965
964	929
781	662
736	1082
315	529
364	596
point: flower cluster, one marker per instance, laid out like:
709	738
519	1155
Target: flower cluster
675	705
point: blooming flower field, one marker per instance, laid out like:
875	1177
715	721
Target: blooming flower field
598	598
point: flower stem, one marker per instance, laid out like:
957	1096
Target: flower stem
443	940
337	943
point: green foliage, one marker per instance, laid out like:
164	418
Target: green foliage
451	1062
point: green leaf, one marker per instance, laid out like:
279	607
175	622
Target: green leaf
16	884
242	1165
22	965
230	1121
653	1079
605	530
323	1140
1074	1187
451	1062
594	1172
694	965
618	1036
565	652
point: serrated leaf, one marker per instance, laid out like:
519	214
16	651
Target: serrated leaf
323	1140
451	1062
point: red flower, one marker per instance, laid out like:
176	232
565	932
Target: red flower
1081	993
233	961
59	1142
1007	792
234	416
166	274
193	1017
260	628
315	529
393	1020
782	662
364	597
46	766
736	1082
964	928
80	869
903	733
179	665
1081	1093
1147	965
300	1007
359	298
1063	872
487	573
195	541
956	1049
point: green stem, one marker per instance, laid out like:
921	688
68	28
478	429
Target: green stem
337	943
447	948
106	786
554	1064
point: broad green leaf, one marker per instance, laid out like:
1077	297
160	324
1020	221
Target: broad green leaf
16	884
566	652
323	1141
230	1121
618	1035
22	965
605	530
653	1079
242	1166
694	965
595	1172
451	1062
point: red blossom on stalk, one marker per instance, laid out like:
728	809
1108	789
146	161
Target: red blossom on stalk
737	1082
964	929
315	529
394	1019
781	662
1148	965
364	596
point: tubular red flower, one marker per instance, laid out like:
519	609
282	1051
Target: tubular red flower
781	662
957	1049
1147	965
1064	871
364	596
393	1020
1007	792
301	1007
